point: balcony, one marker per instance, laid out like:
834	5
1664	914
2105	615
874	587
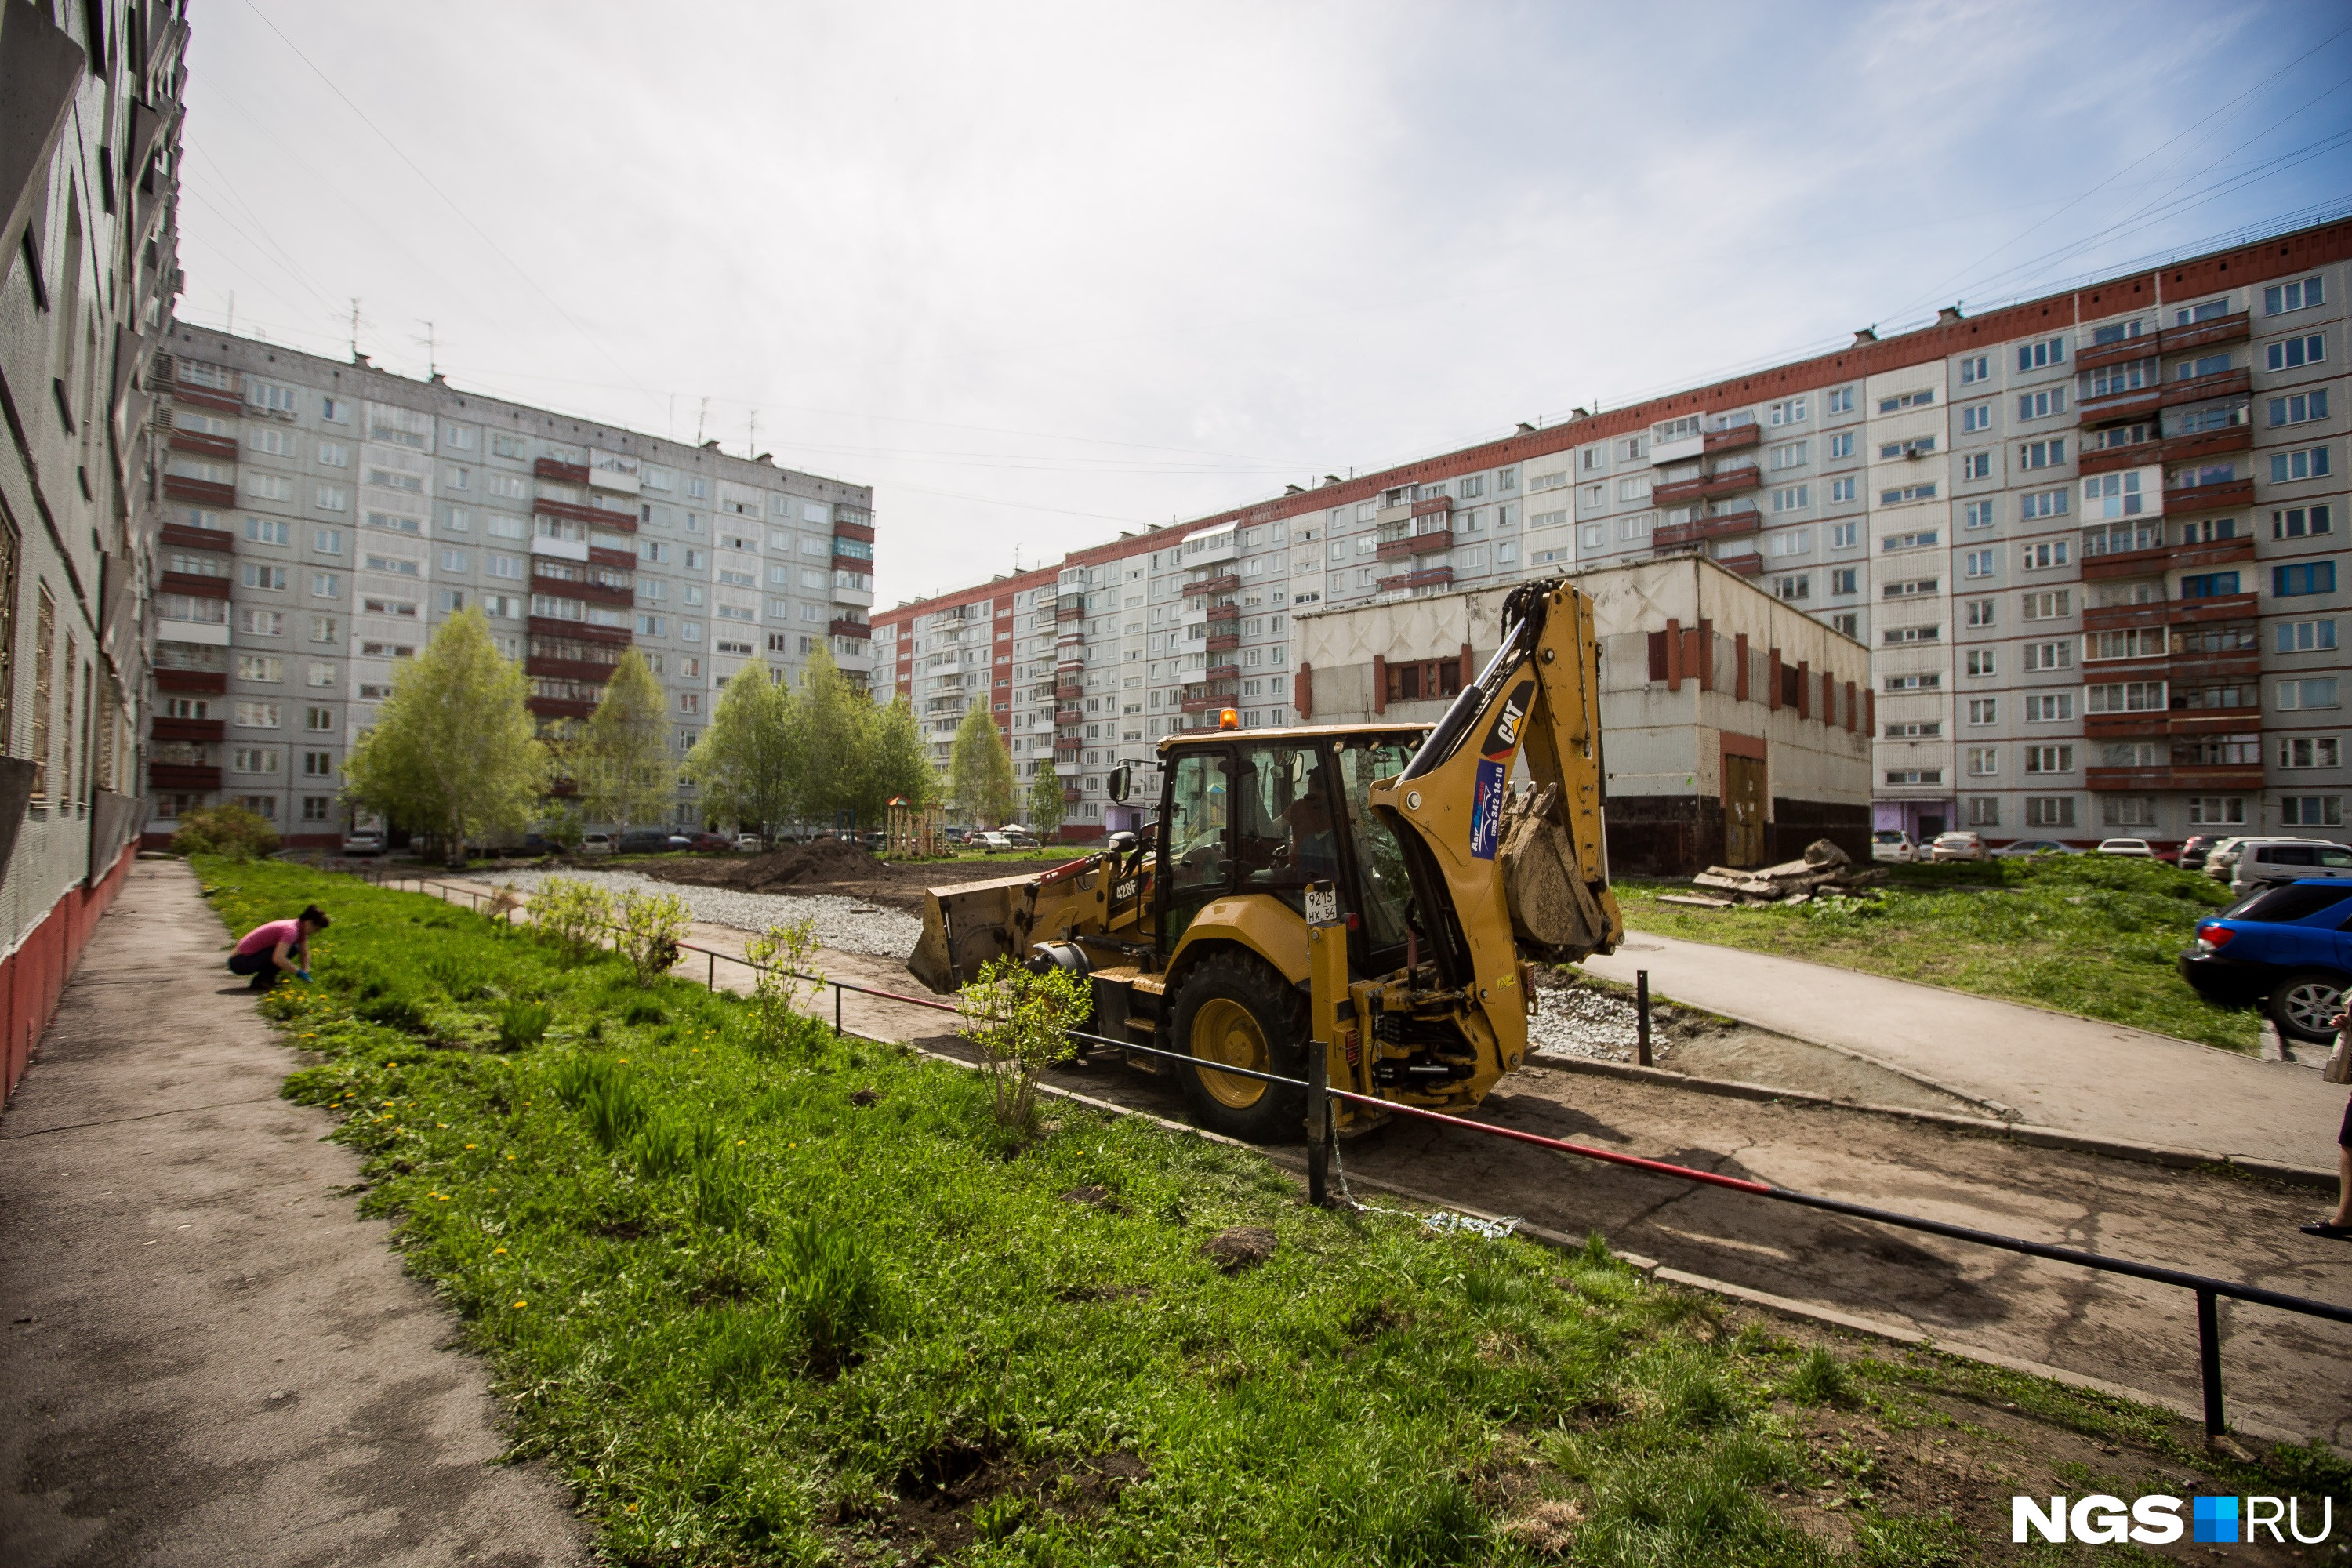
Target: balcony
1064	664
603	516
1208	702
618	560
1069	716
1722	482
2218	607
2172	449
2091	356
204	446
198	492
2197	389
1433	506
1214	672
2141	780
1223	642
202	586
560	708
191	729
1724	525
2229	328
1435	577
1749	566
571	588
2120	405
548	626
562	472
1737	437
2146	562
853	563
1067	614
1073	795
1224	613
585	669
213	682
182	775
1226	583
2209	497
207	397
858	530
180	538
850	626
1070	693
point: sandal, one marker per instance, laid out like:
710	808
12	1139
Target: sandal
2334	1232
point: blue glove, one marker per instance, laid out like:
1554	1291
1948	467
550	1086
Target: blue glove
301	974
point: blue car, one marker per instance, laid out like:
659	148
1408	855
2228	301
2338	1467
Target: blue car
2288	948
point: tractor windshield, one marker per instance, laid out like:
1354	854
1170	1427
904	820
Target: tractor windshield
1383	889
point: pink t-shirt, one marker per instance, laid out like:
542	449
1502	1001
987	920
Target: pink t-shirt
265	938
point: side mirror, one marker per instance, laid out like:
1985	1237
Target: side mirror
1118	784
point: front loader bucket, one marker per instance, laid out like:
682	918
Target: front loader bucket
966	926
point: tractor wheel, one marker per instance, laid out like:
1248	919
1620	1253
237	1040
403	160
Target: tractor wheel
2304	1003
1235	1009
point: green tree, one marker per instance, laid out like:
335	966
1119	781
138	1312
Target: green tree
746	761
1044	803
451	754
625	769
833	755
898	763
980	770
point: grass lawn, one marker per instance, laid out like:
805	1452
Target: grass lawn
783	1299
2082	933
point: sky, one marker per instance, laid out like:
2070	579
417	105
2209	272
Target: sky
1041	273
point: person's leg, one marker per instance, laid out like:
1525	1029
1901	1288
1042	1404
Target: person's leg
260	965
2344	1179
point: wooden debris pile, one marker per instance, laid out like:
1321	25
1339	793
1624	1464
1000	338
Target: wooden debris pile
1824	870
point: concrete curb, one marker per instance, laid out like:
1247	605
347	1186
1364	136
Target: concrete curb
2017	1131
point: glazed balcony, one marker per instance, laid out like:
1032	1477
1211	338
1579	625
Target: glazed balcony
559	472
1433	506
1208	701
204	446
618	560
2209	497
850	626
589	670
1068	614
2147	563
1418	545
550	626
1225	642
1069	693
2143	780
198	492
1722	482
862	532
1224	613
2230	329
2123	351
1069	716
207	397
202	586
1435	577
180	538
1734	438
1226	584
183	775
1072	795
560	708
2120	405
1749	566
1723	525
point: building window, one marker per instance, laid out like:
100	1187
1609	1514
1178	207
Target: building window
2041	554
2217	811
2312	691
1984	709
2039	356
2050	811
1984	811
2300	408
2042	454
2312	811
2303	577
1843	490
1984	661
2310	751
1975	369
1797	586
1845	535
2304	636
2049	759
2311	463
2293	354
1847	623
2042	504
1976	465
2301	523
1845	580
2127	810
1840	445
2055	707
2050	604
2208	584
1839	400
1981	562
2281	297
1984	761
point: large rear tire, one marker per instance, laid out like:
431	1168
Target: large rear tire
1234	1009
2303	1001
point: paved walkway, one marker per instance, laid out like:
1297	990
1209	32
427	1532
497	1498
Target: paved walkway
207	1358
2052	1069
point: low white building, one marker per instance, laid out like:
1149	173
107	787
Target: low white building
1736	729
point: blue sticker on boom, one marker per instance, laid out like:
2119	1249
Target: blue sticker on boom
1486	811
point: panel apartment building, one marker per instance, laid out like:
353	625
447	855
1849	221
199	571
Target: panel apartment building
2090	540
89	161
321	517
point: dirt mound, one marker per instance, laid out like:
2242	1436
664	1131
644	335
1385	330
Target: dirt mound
779	870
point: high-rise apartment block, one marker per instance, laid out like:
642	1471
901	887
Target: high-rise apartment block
320	517
89	167
2090	540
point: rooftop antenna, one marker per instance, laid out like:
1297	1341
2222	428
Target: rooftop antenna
232	313
432	354
751	438
700	415
355	329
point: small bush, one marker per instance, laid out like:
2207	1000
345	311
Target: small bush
650	926
395	1012
572	915
783	964
831	1290
523	1024
229	831
1021	1023
1819	1378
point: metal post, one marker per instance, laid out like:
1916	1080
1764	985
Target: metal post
711	982
1319	1124
1642	1015
837	1009
2209	1361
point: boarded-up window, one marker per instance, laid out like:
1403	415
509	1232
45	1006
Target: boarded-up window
1792	685
1657	655
1424	679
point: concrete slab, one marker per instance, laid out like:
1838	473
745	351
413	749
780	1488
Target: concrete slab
208	1358
2052	1069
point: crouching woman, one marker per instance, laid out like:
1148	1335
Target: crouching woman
278	948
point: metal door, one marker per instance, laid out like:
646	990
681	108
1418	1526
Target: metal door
1743	811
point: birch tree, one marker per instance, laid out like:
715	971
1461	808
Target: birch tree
626	775
746	763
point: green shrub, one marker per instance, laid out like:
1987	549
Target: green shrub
650	926
229	831
1819	1378
523	1024
572	915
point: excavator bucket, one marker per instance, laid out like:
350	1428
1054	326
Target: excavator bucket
965	926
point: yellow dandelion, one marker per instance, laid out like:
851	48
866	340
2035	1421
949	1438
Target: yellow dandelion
469	1145
499	1251
445	1127
632	1508
520	1305
625	1061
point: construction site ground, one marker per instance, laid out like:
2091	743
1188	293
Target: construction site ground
2283	1374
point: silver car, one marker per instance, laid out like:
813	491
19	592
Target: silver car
1957	847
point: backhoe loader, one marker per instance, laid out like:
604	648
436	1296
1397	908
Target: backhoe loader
1374	891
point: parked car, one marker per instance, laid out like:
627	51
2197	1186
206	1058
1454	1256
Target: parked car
749	841
363	841
956	835
1957	847
2193	851
709	843
646	841
1020	838
2221	856
2136	848
990	843
2021	848
875	840
1892	844
2263	861
2284	948
595	843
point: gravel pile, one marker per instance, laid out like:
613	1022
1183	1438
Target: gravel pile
842	923
1577	1022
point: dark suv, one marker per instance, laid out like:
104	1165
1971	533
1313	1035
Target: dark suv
2288	948
644	841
